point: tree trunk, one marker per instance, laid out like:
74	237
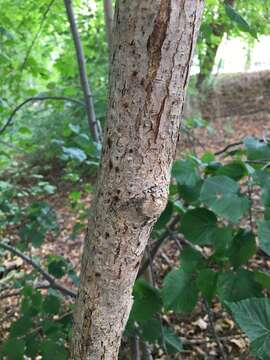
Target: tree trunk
153	43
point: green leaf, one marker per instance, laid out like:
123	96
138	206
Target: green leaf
191	260
261	177
253	316
243	248
72	153
21	326
238	285
165	217
239	20
25	131
257	150
14	348
57	266
262	278
198	226
151	330
221	240
235	170
264	235
147	301
265	196
190	194
172	341
186	172
221	194
207	283
179	291
32	346
51	304
52	350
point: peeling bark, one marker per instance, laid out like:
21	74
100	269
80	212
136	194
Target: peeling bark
151	55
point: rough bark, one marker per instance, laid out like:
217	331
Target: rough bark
151	55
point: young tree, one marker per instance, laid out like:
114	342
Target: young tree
152	47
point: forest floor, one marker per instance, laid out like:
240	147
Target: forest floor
195	329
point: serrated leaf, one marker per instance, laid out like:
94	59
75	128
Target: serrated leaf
51	350
235	170
264	235
172	341
21	326
179	291
185	172
262	278
151	330
207	283
190	194
238	285
14	348
51	304
147	301
243	247
191	260
221	194
253	316
198	226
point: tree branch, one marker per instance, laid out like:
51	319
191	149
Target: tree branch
37	98
44	16
92	121
157	245
108	14
36	266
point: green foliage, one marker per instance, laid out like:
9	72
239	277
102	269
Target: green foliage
253	316
215	215
179	292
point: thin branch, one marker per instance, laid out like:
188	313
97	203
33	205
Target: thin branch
33	99
228	147
36	266
205	341
15	293
108	14
158	244
135	347
215	334
89	104
43	19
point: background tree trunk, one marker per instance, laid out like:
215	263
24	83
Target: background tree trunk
153	43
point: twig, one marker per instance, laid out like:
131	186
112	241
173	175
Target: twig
135	347
228	147
43	19
158	244
46	275
151	268
250	190
18	292
89	104
205	341
33	99
215	335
